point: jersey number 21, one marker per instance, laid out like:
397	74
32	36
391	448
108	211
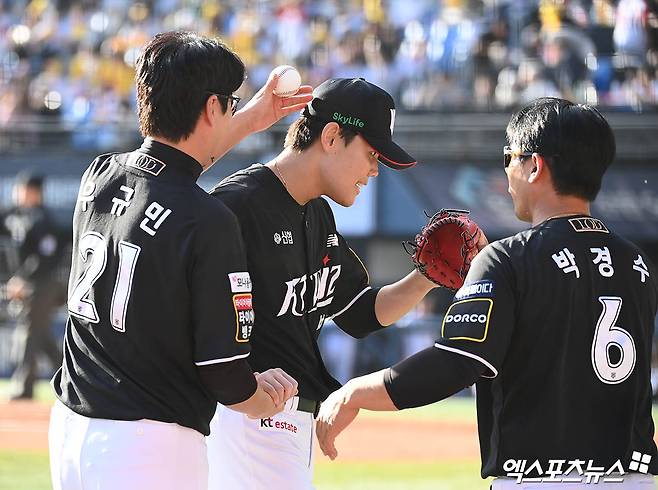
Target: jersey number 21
93	248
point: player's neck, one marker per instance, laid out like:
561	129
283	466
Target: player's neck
296	172
558	206
190	147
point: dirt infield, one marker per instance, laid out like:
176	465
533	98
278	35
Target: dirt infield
24	426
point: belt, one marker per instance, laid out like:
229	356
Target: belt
309	406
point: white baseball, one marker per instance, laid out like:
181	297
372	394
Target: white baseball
289	80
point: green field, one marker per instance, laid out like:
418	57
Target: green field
24	470
399	476
29	470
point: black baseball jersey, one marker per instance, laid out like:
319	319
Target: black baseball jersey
158	284
562	316
303	273
37	239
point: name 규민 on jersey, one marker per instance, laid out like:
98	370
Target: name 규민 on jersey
323	282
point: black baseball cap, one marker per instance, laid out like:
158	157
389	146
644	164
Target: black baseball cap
362	107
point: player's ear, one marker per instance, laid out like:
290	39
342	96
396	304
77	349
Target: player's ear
210	109
537	167
330	137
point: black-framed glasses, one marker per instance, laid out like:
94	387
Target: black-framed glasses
509	155
234	100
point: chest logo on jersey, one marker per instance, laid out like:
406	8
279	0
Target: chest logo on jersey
588	224
475	290
468	320
323	284
240	282
145	163
244	316
283	238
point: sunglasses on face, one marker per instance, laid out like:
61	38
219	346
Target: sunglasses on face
509	155
234	100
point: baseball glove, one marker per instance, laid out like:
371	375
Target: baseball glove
445	247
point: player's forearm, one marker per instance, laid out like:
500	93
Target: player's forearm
259	405
235	132
368	392
395	300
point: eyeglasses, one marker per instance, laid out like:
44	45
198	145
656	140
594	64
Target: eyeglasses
509	155
234	100
374	155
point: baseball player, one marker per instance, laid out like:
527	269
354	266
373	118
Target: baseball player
554	325
32	284
160	305
304	273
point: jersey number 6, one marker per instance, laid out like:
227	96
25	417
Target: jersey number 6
93	248
608	335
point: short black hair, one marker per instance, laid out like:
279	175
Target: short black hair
176	73
306	130
575	138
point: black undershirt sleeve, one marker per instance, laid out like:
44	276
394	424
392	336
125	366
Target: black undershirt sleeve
359	319
429	376
229	382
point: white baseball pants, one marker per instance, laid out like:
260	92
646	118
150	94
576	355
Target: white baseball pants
261	454
103	454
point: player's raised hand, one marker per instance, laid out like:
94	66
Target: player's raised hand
333	418
265	108
278	384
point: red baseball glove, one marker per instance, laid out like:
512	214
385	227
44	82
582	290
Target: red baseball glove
445	247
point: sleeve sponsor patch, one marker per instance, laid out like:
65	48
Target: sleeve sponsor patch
475	290
467	320
244	316
240	282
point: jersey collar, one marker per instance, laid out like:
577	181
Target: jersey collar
174	159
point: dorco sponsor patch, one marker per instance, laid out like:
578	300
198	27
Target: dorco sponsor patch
240	282
244	316
271	423
467	320
475	290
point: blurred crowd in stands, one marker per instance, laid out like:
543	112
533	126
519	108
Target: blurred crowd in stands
73	60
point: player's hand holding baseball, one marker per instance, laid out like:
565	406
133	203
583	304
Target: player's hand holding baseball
265	108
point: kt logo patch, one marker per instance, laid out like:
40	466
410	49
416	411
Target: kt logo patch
467	320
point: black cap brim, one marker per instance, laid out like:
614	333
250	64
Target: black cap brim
390	154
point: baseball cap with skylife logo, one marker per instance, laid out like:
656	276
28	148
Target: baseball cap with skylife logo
359	105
